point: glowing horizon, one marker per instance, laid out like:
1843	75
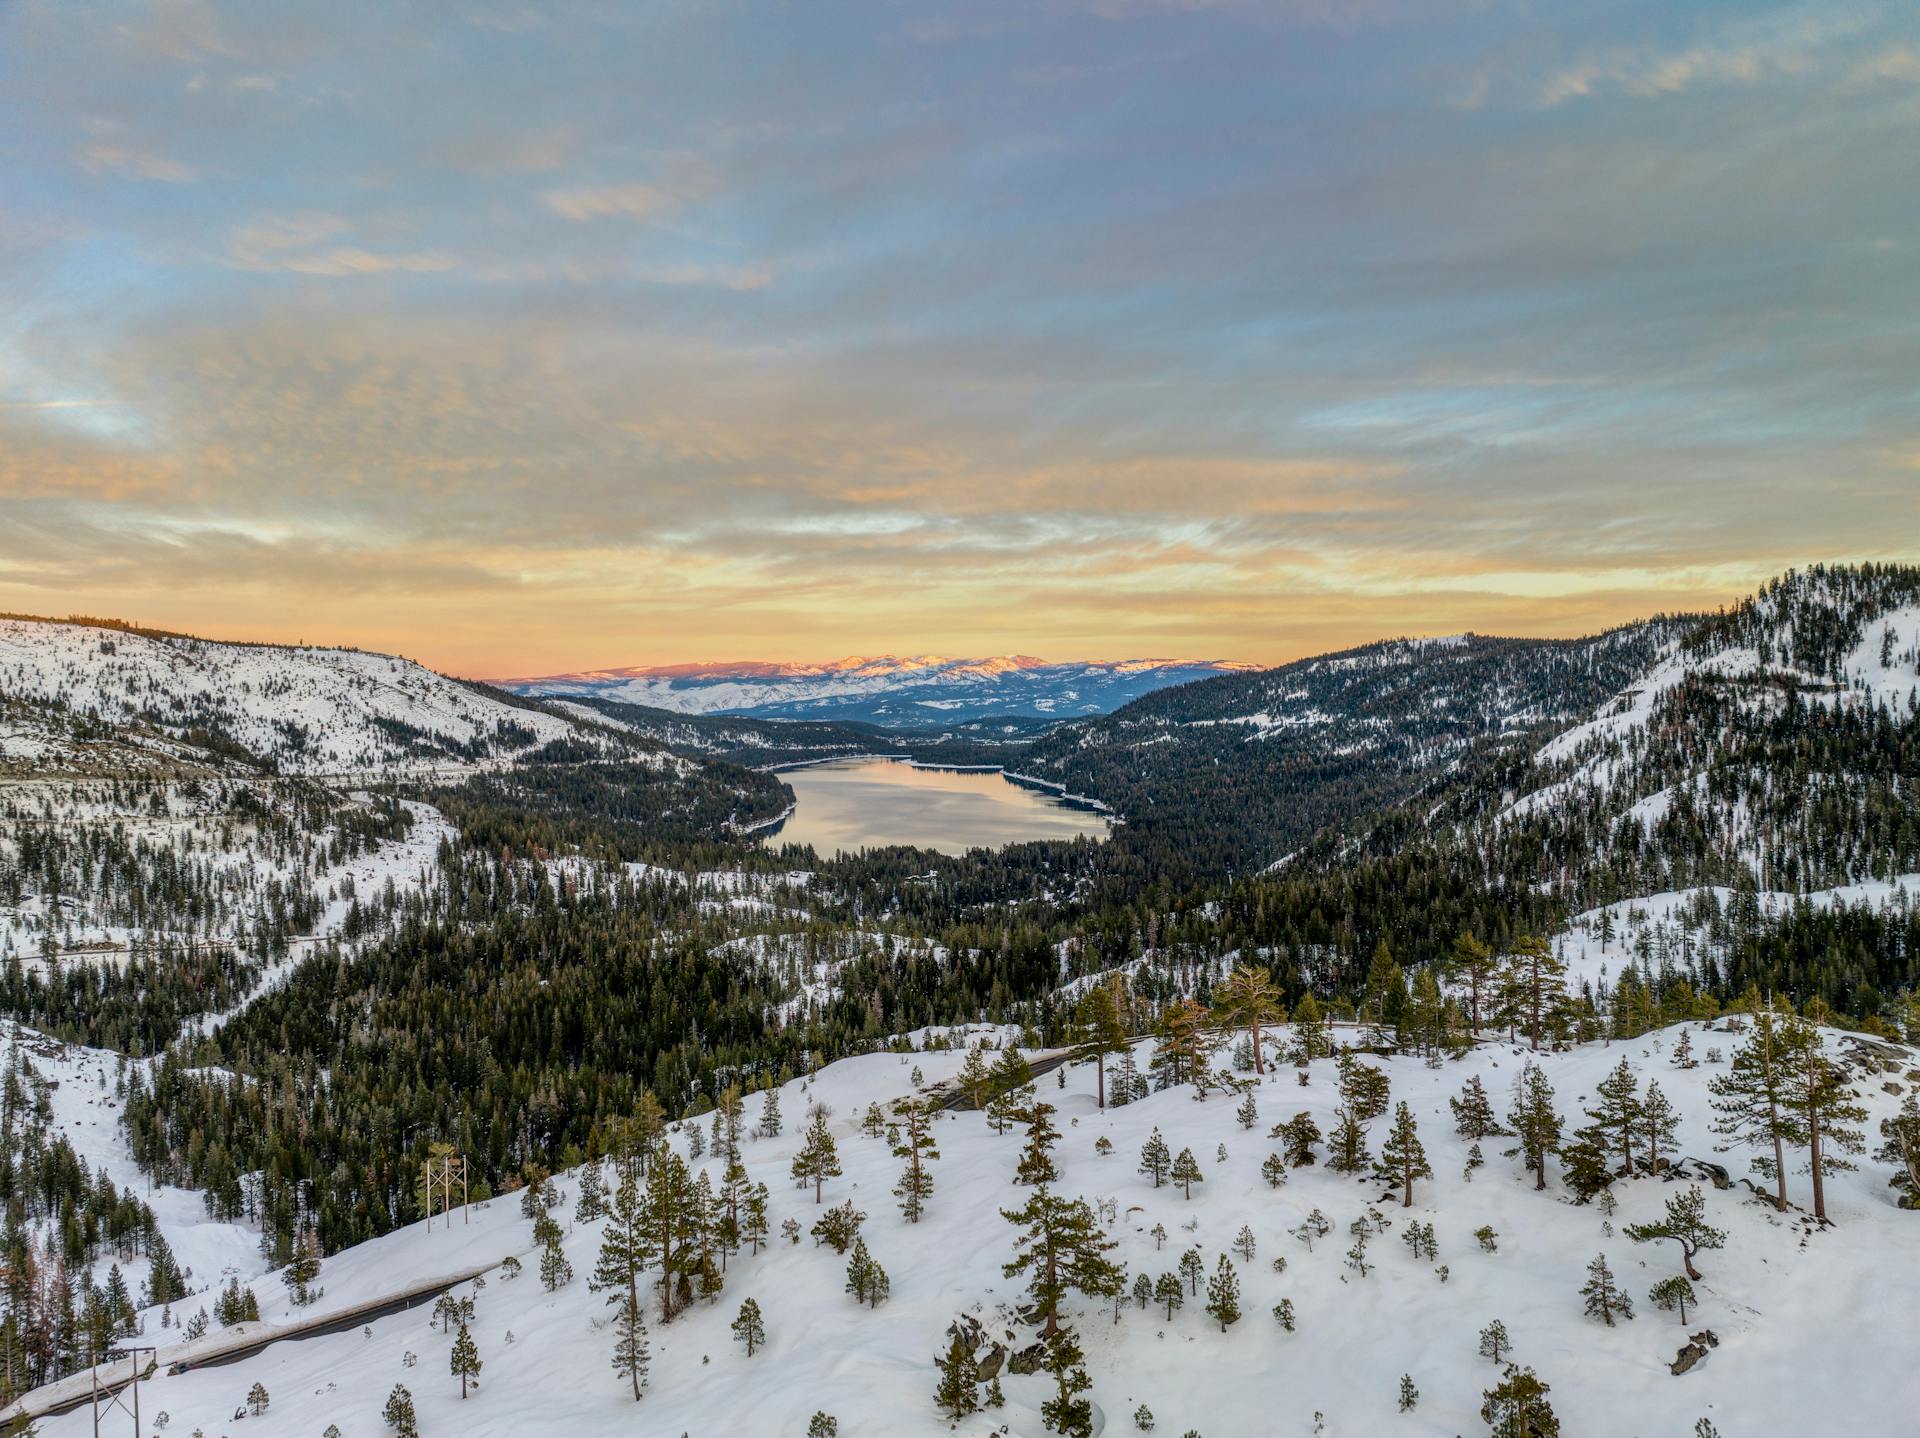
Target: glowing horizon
533	339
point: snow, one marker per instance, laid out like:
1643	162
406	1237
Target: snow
314	710
1803	1337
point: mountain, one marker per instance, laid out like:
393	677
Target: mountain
923	692
295	709
1237	771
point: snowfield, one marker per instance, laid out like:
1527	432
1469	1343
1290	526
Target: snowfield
312	710
1806	1319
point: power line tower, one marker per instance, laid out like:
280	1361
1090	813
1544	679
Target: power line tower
440	1173
108	1400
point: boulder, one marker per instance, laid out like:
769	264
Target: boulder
1693	1351
1027	1360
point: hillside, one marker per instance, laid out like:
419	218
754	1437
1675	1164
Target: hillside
913	693
299	710
1787	1300
1236	772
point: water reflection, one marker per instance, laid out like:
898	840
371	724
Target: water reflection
869	803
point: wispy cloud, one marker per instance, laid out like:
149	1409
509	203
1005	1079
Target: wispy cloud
132	163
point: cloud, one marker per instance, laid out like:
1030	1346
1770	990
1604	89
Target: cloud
134	164
296	244
593	202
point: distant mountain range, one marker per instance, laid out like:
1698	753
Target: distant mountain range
926	691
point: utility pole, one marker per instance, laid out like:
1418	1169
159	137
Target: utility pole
439	1173
106	1399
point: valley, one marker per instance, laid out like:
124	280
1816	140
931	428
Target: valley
256	973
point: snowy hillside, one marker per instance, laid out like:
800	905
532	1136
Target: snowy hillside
917	692
1793	1306
308	710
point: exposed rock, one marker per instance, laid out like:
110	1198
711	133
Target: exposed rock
1696	1348
1027	1360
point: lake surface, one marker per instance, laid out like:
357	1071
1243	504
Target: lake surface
854	804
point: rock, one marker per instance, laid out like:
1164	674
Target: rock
1697	1347
1027	1360
991	1365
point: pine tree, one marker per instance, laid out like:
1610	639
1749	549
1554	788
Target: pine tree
1283	1314
1472	963
1245	1244
1066	1413
1299	1134
866	1279
398	1414
1274	1170
630	1355
257	1399
1247	997
749	1330
1156	1160
1402	1159
1179	1054
555	1271
958	1390
1061	1249
916	1147
1186	1172
1494	1343
670	1215
1535	1121
753	1222
1518	1408
1671	1293
1473	1111
1098	1033
1142	1290
819	1158
1171	1291
1617	1110
1409	1395
465	1359
1192	1269
976	1079
1248	1113
1822	1105
1036	1163
591	1204
1605	1298
1750	1102
769	1126
1686	1224
1534	986
1363	1088
1659	1123
823	1425
1223	1294
1901	1148
1347	1146
625	1245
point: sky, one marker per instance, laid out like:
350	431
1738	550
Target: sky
528	337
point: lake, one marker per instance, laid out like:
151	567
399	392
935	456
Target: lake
854	804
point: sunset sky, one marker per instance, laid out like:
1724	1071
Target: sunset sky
530	337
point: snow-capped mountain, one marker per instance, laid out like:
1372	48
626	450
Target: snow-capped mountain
923	691
303	710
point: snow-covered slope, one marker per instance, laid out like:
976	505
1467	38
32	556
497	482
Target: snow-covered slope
922	691
309	710
1808	1320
